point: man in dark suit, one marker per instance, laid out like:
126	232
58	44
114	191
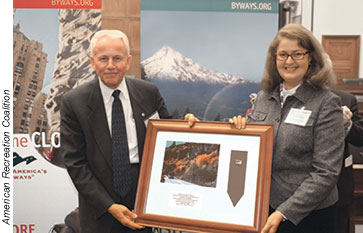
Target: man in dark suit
353	124
86	135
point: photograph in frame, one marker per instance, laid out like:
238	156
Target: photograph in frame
190	163
210	177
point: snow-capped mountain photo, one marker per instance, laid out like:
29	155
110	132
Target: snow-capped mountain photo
168	64
187	86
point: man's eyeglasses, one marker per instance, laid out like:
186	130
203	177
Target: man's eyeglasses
282	56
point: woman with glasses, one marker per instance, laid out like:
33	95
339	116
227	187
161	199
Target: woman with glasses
308	133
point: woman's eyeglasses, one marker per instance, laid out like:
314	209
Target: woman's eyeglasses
282	56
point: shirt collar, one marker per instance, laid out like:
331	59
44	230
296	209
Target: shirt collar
288	92
107	92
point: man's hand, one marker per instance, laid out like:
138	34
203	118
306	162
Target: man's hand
347	116
238	121
124	216
272	223
191	119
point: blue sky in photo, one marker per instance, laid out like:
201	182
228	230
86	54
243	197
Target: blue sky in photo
41	25
169	143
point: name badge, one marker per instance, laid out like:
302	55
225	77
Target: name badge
155	115
298	116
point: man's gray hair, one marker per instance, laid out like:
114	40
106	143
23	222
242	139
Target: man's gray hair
110	33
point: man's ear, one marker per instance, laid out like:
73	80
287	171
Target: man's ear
129	61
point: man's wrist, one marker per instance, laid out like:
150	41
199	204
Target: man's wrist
283	216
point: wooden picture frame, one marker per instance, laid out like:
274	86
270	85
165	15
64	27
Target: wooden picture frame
191	180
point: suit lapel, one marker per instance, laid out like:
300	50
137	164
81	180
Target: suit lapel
98	120
139	111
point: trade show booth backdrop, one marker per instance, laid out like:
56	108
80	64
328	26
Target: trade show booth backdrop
206	57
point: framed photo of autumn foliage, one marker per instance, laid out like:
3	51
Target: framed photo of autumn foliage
210	177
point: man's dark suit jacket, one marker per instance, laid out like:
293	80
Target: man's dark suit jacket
354	137
86	145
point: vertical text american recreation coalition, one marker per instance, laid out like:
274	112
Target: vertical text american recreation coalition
6	171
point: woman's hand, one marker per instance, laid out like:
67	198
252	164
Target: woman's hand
238	121
272	223
191	119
